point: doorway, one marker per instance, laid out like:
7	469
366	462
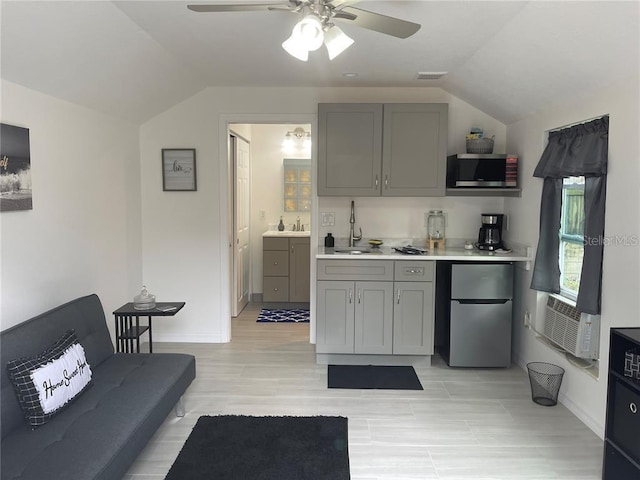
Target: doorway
239	223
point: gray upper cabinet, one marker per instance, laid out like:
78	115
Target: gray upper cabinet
349	149
414	150
382	149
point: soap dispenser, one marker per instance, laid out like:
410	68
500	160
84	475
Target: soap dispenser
329	241
281	226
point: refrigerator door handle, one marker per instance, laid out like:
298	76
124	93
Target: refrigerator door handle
481	301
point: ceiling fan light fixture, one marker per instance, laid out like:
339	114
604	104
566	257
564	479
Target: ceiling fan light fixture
336	41
295	48
309	32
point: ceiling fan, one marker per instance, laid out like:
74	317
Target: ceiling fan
317	25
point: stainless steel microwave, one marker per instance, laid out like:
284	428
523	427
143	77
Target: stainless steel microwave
482	170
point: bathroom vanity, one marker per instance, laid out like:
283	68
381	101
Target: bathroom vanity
286	267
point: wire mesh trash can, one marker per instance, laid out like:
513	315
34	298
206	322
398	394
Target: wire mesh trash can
545	379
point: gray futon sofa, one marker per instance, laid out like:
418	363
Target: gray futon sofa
100	433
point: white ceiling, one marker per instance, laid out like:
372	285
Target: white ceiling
135	59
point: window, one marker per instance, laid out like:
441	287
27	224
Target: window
571	236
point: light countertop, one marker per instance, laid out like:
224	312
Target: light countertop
459	254
285	233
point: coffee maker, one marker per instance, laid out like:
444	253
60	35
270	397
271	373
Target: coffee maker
490	236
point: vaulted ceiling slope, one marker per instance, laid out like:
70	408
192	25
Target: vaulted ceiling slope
135	59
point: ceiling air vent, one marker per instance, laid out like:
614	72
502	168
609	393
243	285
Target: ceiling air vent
431	75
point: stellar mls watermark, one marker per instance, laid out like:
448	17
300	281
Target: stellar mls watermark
613	240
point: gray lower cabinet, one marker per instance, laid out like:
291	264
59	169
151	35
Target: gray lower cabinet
357	317
413	318
361	309
396	149
286	269
413	309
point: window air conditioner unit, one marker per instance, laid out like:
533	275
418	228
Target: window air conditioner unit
577	333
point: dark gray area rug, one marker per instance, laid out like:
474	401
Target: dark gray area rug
373	376
264	448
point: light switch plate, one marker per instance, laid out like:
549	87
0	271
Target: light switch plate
328	219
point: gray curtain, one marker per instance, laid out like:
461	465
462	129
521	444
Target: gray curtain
581	150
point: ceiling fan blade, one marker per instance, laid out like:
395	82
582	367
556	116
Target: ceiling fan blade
246	7
381	23
344	15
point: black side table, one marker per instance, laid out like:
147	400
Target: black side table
127	332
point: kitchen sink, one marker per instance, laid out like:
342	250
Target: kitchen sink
352	250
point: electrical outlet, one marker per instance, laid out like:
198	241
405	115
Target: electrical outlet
328	219
527	319
263	215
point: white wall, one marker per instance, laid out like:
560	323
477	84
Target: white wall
187	260
83	234
621	269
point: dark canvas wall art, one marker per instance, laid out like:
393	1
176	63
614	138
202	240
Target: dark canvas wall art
15	169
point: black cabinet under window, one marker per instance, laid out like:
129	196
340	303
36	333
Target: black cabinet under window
622	435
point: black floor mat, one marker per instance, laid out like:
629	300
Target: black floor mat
373	376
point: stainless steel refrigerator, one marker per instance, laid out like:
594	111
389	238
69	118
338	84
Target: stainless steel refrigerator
474	314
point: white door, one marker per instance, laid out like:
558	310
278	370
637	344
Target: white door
241	225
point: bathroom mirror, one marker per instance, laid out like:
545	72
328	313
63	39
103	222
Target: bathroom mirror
297	184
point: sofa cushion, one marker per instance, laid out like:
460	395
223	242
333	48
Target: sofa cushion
103	431
46	383
85	315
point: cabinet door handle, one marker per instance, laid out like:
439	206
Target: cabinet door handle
386	181
359	295
291	248
633	407
275	263
377	181
398	297
275	289
350	296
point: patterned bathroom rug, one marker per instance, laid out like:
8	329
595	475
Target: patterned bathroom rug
278	315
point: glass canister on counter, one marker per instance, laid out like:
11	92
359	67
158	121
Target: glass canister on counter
436	230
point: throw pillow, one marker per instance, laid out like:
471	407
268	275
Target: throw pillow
46	383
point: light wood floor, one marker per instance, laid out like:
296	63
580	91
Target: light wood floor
466	424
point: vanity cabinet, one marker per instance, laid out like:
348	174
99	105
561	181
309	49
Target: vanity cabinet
382	149
374	307
299	269
286	269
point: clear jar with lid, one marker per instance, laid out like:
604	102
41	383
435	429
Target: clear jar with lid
436	225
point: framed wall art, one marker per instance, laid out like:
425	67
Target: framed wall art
15	169
179	170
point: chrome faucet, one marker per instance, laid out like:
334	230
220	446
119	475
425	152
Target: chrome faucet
352	221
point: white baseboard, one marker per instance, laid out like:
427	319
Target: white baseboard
190	338
572	406
584	417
